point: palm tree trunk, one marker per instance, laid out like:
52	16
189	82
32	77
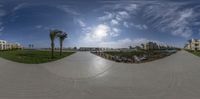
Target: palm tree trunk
52	49
61	45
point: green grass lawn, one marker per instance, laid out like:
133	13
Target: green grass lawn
197	53
32	56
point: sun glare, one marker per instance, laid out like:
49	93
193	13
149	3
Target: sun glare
100	32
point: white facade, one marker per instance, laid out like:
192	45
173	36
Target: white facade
193	44
4	45
150	46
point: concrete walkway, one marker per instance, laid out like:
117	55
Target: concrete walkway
86	76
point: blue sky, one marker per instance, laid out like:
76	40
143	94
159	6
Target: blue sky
108	23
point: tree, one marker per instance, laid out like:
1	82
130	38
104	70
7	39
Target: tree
143	46
32	45
138	48
53	35
75	48
62	37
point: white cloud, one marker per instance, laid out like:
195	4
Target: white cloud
123	14
199	31
126	24
186	14
68	10
107	16
1	29
97	33
118	14
43	27
39	26
182	19
145	26
81	23
114	22
183	31
119	18
131	7
115	32
139	26
19	6
2	12
171	19
120	43
196	23
180	25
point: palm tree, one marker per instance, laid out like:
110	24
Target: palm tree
62	37
53	35
32	46
29	46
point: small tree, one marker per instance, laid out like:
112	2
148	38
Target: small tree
32	46
75	48
29	46
53	35
62	37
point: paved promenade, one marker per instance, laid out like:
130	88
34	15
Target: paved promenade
86	76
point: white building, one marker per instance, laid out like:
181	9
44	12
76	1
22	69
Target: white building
150	46
4	45
94	49
193	44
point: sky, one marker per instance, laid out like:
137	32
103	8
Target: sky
100	23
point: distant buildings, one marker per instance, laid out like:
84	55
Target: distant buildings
150	46
155	46
105	49
94	49
144	46
4	45
193	44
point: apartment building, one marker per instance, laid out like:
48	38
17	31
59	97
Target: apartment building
4	45
193	44
150	46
